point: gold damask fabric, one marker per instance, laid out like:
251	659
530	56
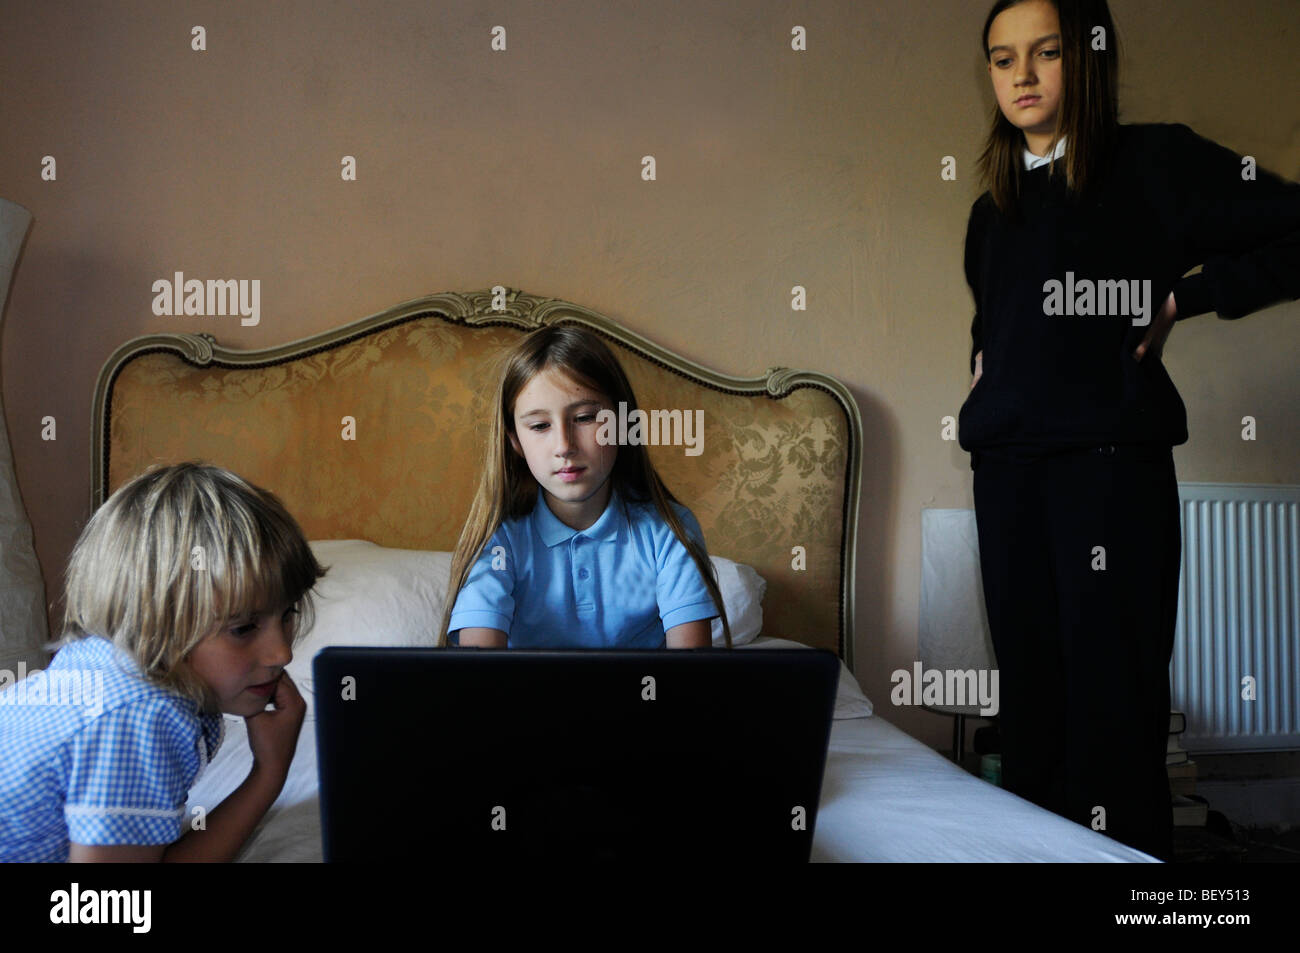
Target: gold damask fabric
768	488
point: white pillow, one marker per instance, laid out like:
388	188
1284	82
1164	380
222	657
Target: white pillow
742	595
376	596
373	596
850	702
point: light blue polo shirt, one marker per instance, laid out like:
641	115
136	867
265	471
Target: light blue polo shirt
619	583
92	752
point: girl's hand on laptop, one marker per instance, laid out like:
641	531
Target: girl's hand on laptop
273	734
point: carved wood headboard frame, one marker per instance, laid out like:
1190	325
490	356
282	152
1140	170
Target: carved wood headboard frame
783	470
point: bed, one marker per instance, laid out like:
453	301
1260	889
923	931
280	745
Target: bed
371	434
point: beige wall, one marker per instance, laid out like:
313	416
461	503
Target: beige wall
775	168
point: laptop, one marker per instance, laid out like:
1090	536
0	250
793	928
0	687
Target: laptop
491	756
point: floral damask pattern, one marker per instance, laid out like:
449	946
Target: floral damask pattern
382	439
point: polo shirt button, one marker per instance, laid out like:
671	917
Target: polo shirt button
583	574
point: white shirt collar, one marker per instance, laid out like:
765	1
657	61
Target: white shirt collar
1033	162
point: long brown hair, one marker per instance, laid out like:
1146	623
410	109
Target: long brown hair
1088	117
507	489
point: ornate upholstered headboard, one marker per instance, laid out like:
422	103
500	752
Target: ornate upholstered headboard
375	431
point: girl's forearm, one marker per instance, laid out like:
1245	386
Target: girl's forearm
690	635
483	638
229	825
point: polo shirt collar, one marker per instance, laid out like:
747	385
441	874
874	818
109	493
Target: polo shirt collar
554	532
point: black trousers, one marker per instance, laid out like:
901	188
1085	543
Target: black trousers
1083	651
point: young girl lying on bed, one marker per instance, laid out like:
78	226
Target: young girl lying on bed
572	542
183	598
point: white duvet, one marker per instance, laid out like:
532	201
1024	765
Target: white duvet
885	797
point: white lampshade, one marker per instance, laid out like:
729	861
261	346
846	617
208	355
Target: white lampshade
954	627
23	626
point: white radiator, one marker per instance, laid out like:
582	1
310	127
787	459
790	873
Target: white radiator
1239	617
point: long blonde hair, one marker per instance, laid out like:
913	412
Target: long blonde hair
507	489
175	554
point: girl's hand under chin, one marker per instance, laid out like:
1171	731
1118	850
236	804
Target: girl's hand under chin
273	734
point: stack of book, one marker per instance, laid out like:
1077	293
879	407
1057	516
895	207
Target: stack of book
1190	810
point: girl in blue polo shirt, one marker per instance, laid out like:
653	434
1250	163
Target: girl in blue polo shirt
573	541
182	594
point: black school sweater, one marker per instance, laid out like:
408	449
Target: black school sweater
1169	201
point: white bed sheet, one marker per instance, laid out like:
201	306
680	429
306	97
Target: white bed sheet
888	797
885	797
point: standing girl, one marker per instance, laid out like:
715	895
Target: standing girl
1077	256
183	597
572	542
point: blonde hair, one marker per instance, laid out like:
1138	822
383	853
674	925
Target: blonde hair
175	554
507	489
